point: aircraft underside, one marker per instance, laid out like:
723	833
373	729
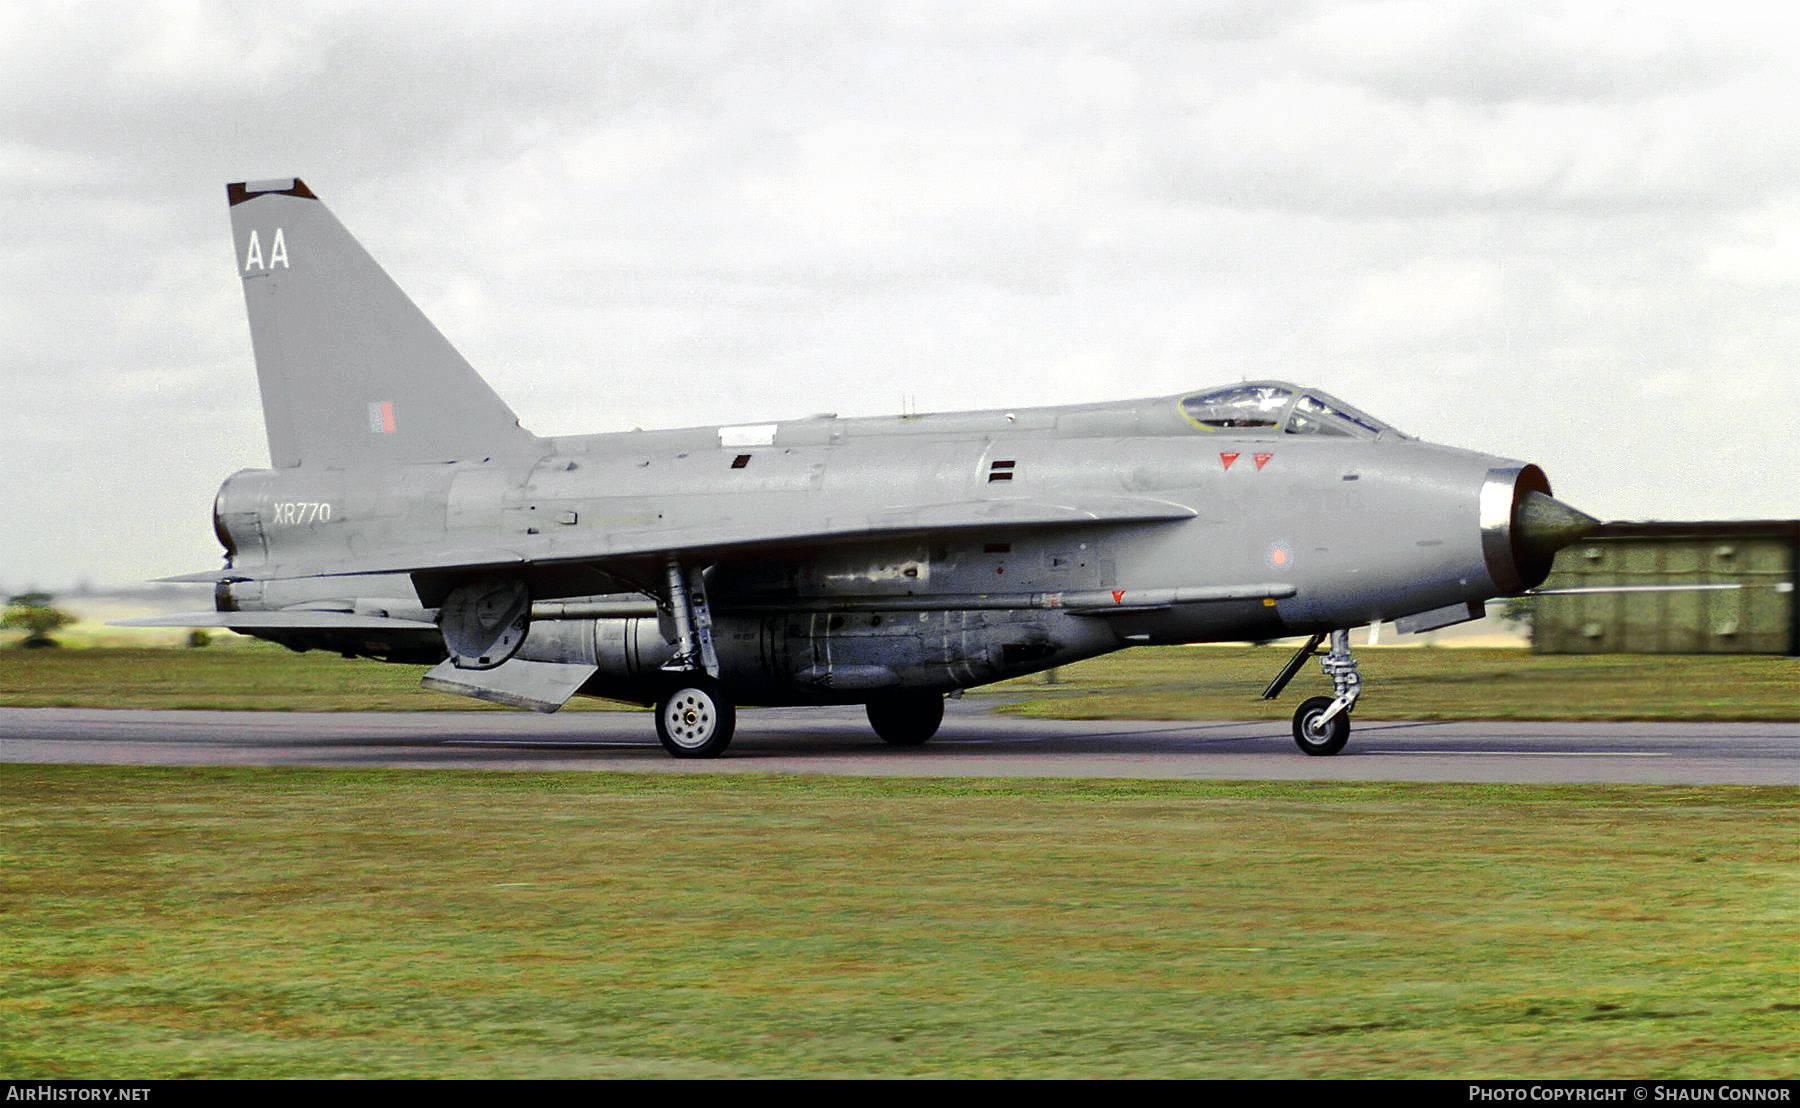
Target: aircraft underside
697	668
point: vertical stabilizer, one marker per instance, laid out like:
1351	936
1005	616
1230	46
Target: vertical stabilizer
352	373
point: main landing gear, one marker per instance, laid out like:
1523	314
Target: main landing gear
695	718
906	718
1322	723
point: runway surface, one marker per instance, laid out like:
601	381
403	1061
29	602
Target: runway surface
973	743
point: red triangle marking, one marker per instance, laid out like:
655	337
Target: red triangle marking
1263	460
1118	596
1228	459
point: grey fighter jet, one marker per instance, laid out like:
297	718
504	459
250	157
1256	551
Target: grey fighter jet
407	516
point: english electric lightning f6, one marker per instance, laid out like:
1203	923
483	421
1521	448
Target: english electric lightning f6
407	516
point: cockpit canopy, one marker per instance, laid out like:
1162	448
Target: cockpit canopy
1274	407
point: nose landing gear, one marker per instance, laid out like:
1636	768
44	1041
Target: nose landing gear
1322	723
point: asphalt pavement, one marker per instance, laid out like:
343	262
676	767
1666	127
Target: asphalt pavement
974	742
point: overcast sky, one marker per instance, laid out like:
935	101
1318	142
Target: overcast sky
1562	232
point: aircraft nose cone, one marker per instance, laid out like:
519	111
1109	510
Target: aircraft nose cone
1542	525
1523	526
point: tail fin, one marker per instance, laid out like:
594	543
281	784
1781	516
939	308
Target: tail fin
352	373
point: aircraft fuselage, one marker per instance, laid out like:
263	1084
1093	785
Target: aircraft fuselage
1310	532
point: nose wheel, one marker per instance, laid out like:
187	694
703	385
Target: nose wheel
1322	724
1317	733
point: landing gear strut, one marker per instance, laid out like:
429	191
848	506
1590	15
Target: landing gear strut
695	718
1322	723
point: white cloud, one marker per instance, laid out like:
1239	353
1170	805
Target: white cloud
1763	249
1431	300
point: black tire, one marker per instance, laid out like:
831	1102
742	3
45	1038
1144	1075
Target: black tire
695	719
906	718
1335	735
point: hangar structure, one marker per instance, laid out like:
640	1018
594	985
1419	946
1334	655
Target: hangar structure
1674	588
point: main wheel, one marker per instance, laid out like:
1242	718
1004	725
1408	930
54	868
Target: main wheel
906	718
695	719
1315	738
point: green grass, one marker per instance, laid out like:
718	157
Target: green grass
1219	682
168	923
242	675
303	923
1461	683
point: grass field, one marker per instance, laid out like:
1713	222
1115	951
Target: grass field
242	675
1215	682
308	923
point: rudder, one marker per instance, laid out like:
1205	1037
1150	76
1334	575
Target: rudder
352	372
